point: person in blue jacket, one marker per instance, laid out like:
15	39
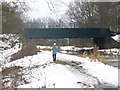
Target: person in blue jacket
54	51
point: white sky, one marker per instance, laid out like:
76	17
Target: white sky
40	8
43	8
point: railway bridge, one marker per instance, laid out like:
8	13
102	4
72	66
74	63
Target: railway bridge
100	36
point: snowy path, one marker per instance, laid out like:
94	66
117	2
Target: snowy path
83	71
40	71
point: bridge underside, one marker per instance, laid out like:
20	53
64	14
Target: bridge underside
99	36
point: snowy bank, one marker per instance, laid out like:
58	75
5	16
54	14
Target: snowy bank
117	38
39	71
60	76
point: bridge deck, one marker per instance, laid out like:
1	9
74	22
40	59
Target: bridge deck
49	33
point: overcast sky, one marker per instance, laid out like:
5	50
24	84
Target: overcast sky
45	8
48	8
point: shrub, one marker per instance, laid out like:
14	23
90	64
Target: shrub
95	55
27	50
48	49
100	59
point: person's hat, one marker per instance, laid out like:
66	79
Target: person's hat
54	44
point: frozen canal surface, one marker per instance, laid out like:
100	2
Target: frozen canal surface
115	61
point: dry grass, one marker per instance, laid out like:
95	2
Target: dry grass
96	55
77	63
15	76
48	49
71	50
27	50
99	58
1	84
12	73
11	70
61	62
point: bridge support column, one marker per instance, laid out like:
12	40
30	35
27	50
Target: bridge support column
99	42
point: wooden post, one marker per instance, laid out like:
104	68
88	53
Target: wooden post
95	50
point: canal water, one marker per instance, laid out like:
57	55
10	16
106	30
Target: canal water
114	60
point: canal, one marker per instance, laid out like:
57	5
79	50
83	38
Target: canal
113	60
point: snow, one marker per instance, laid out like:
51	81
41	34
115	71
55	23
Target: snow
5	54
100	70
74	48
42	47
64	48
114	51
40	71
103	72
117	38
55	76
61	75
2	44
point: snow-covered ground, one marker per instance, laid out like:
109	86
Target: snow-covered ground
65	48
39	71
52	75
114	51
117	38
5	47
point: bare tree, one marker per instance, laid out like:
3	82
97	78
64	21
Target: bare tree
107	14
93	14
11	19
